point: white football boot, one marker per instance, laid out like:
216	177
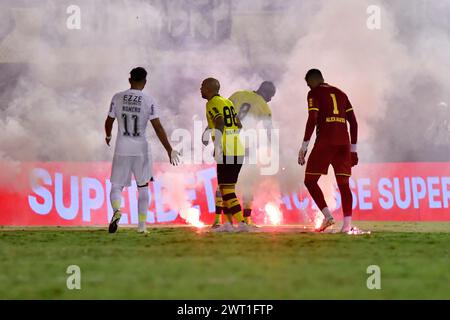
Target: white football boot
226	227
243	227
142	230
325	224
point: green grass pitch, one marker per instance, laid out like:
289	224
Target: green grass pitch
178	263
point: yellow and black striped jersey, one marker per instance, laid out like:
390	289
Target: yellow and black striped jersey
220	106
250	104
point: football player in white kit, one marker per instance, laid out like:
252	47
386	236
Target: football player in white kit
133	109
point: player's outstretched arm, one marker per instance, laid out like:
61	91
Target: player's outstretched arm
108	128
174	156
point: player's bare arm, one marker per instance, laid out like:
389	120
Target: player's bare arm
245	108
162	136
238	121
219	126
309	129
268	126
108	129
351	118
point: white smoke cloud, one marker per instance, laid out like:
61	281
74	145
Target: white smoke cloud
56	108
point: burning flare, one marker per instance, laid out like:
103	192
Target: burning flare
192	217
273	214
318	219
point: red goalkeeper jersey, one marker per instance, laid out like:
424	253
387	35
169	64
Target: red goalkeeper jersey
332	106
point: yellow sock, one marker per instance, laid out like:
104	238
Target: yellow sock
239	216
229	218
231	202
142	217
115	205
219	207
219	202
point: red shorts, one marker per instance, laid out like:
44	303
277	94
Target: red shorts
322	155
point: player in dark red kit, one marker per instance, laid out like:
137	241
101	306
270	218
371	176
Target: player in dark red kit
329	110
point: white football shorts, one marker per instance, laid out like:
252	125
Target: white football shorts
124	166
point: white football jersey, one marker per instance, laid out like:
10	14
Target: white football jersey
133	110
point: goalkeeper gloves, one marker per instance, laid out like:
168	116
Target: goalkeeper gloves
354	155
302	153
